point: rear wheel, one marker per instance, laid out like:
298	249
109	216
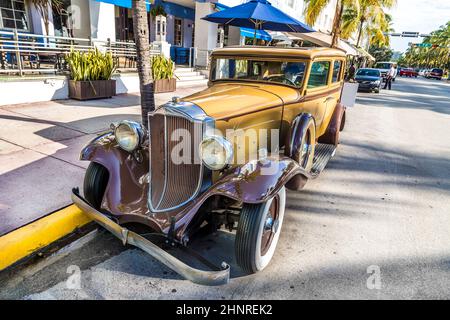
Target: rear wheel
258	232
95	181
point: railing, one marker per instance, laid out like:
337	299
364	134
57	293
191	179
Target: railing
23	52
201	57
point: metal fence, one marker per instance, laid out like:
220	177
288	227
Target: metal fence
31	53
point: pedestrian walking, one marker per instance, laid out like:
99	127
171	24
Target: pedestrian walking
390	76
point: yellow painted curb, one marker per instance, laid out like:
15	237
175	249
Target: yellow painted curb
26	240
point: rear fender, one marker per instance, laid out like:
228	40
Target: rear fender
294	139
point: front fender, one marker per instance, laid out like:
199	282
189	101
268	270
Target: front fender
127	204
258	181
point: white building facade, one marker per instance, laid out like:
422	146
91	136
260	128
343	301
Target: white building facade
112	20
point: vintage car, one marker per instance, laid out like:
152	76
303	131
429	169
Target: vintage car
193	167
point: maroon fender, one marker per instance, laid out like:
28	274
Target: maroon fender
128	204
296	133
331	135
254	182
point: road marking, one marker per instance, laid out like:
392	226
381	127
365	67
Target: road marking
32	237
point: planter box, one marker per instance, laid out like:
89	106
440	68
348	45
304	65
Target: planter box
165	85
85	90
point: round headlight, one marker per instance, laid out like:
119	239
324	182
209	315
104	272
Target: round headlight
128	135
216	152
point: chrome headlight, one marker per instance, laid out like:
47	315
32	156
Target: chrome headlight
376	82
129	135
216	152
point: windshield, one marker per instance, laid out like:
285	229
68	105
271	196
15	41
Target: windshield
285	72
368	73
383	65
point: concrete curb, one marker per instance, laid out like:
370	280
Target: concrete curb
27	240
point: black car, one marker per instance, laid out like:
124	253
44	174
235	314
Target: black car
369	79
435	74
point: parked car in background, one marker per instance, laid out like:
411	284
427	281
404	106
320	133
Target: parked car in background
435	73
408	72
384	68
191	171
369	79
422	72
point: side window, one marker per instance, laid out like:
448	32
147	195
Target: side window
337	70
319	74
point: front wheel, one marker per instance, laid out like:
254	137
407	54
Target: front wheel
95	181
258	232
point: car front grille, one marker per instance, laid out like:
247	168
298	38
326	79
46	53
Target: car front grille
174	181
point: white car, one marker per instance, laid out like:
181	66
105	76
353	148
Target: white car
384	67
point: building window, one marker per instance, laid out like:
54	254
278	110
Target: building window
178	32
62	20
193	35
13	14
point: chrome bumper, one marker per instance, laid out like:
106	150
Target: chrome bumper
209	278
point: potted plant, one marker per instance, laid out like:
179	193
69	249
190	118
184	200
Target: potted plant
163	74
90	75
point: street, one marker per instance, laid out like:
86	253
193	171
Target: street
382	204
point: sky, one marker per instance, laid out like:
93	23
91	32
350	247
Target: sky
421	16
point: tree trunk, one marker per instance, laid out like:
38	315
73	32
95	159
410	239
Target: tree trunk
360	30
141	37
337	24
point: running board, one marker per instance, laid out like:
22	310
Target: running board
322	154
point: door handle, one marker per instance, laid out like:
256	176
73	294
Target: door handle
328	99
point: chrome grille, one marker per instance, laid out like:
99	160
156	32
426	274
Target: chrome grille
173	181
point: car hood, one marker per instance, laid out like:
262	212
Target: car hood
366	78
224	100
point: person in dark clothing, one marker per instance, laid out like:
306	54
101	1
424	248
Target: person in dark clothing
351	72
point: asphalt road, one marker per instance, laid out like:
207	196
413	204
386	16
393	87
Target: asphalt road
375	225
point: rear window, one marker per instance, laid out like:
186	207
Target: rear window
440	71
336	70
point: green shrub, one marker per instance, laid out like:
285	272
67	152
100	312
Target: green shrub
90	66
162	68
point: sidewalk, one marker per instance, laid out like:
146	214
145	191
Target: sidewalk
39	149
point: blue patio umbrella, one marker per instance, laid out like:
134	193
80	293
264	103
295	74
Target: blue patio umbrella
258	15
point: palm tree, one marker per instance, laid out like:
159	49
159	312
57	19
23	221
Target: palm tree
141	35
368	17
313	9
43	7
437	55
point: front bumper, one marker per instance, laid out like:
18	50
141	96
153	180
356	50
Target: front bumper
368	86
210	278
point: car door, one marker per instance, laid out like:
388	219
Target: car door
333	95
318	94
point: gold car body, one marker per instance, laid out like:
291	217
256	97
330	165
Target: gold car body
236	104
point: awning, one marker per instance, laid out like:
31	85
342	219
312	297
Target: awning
124	3
247	32
364	53
324	40
260	34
